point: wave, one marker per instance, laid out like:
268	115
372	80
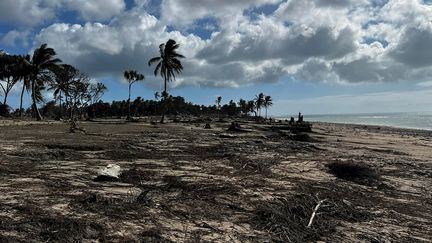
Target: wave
374	117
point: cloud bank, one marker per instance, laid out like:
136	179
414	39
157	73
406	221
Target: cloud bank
253	41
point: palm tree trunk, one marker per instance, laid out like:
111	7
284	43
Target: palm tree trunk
60	113
128	112
164	101
21	99
266	113
35	109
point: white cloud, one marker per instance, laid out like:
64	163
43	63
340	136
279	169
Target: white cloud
26	12
425	84
35	12
331	41
96	9
184	12
13	37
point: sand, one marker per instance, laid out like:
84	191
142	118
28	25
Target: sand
184	183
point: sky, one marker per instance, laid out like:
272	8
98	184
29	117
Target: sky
313	56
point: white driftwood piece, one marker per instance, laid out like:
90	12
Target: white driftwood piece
314	213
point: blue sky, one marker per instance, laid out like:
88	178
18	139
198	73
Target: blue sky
314	56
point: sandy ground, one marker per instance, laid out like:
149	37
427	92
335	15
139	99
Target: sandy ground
184	183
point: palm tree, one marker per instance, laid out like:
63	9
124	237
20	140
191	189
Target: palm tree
61	84
157	95
25	61
168	65
251	106
41	65
132	76
218	104
243	106
259	100
267	103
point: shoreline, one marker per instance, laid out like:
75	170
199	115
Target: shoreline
378	127
408	120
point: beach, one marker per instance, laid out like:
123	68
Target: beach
181	182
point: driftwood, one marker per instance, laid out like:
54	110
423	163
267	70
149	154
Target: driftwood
314	213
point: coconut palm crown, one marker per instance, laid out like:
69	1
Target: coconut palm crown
268	102
168	65
42	63
168	62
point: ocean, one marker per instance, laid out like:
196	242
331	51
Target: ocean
414	120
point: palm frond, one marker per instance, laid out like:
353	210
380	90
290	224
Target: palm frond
153	60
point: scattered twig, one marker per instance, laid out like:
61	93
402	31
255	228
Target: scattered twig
315	212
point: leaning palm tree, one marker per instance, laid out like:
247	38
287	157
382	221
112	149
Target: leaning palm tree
25	69
168	65
41	65
267	103
259	101
132	76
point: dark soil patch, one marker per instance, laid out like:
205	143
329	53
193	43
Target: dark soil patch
105	178
40	225
355	172
135	176
69	230
77	147
302	137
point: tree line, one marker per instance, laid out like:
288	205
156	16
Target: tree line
77	97
174	106
41	71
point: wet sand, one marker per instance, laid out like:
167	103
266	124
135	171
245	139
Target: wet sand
184	183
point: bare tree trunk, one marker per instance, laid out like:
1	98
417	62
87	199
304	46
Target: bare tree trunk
128	111
5	93
164	101
21	99
35	109
60	101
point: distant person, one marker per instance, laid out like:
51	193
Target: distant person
300	118
292	121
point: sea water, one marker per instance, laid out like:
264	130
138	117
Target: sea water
414	120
